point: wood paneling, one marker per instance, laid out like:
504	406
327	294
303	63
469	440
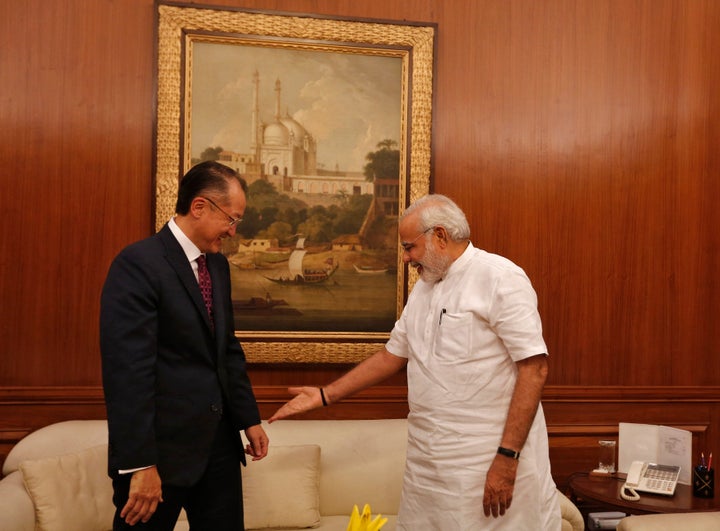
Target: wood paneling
580	136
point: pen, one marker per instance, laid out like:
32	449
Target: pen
710	461
443	311
702	459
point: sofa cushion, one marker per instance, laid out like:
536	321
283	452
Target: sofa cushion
71	491
340	523
699	521
366	457
282	490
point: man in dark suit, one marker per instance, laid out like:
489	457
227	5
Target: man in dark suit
174	374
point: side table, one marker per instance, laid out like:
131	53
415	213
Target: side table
605	491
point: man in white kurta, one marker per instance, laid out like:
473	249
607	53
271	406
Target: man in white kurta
471	339
462	337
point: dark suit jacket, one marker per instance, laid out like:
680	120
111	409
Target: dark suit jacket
167	378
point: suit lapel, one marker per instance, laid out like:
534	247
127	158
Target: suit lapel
178	261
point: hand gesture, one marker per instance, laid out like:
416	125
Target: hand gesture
306	398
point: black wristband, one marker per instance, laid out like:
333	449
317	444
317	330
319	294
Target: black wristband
322	395
507	452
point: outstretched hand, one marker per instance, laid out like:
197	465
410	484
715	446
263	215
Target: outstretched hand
306	398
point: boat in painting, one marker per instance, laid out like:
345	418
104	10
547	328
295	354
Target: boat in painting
369	270
298	274
263	306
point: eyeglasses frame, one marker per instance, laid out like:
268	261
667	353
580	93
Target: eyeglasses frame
231	220
407	246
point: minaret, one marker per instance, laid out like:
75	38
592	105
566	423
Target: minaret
277	99
254	140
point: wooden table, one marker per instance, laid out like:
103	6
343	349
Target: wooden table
606	491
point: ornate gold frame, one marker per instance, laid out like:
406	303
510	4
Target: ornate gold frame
178	24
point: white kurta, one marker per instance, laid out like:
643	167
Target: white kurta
462	336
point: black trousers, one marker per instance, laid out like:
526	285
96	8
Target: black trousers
214	503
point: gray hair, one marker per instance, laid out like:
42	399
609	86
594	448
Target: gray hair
435	210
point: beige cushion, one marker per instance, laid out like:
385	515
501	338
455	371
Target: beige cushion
671	522
282	490
362	461
71	491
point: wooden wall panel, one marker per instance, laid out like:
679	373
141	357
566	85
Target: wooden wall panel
580	136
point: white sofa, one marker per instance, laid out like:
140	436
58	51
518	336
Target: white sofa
704	521
314	474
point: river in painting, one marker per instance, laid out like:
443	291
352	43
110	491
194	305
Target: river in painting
347	301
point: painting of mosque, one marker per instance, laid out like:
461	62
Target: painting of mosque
302	127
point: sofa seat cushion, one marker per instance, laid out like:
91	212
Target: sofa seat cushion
283	489
340	523
327	523
71	491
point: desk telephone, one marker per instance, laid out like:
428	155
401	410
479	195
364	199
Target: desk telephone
649	477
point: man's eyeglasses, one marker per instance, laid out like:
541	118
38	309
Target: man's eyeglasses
231	220
407	246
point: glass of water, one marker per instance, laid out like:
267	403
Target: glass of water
606	462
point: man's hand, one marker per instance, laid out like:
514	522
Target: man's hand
259	442
500	481
144	496
499	486
306	398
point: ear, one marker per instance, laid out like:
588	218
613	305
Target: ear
442	235
197	205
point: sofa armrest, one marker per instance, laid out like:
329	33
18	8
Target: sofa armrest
572	519
17	512
671	522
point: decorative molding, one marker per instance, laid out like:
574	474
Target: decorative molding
552	393
578	394
389	394
51	395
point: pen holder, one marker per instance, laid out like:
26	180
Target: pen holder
703	482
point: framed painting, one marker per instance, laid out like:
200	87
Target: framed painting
329	122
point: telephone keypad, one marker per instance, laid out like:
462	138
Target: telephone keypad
661	479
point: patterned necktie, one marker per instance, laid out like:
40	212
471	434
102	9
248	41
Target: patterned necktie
205	286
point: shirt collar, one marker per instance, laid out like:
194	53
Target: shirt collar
459	263
191	250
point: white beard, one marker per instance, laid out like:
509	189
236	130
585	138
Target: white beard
434	265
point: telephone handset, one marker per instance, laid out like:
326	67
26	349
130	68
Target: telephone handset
649	477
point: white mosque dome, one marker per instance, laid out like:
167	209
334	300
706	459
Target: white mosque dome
298	131
276	134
